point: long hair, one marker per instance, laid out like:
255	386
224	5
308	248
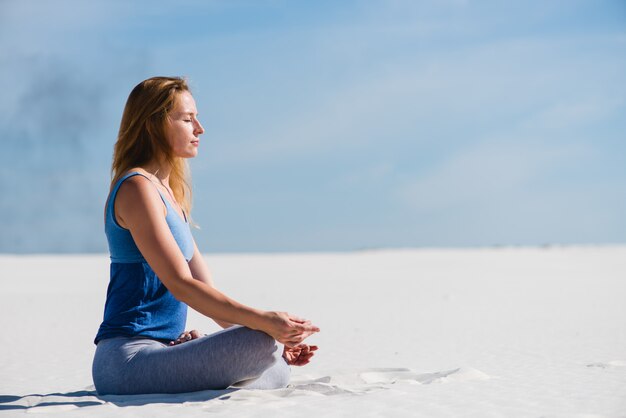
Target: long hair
141	138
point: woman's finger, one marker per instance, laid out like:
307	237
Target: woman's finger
292	342
306	327
303	359
300	361
300	330
296	318
186	336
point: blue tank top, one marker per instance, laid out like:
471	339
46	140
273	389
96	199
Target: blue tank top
137	303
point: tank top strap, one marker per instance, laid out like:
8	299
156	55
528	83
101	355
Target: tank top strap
118	184
116	187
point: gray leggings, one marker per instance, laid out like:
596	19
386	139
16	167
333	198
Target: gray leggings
236	356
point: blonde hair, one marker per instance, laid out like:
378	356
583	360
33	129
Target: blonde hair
141	138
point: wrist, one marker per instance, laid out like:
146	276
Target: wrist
254	319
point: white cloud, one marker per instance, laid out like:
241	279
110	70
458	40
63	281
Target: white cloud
416	97
570	115
488	174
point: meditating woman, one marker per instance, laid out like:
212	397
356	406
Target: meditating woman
157	270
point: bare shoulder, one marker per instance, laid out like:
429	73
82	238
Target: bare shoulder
136	195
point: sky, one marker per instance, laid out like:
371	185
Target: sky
330	126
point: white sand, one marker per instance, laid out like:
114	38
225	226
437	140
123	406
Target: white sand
412	333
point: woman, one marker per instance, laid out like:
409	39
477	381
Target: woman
157	270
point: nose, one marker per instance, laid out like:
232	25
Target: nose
199	129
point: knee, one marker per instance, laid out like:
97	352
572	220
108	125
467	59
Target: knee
265	347
282	375
262	350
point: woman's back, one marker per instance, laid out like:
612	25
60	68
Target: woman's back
137	301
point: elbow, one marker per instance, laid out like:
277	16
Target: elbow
182	289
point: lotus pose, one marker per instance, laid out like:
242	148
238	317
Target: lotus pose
157	270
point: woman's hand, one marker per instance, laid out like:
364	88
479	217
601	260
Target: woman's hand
287	329
299	355
186	336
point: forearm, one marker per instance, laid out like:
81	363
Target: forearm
223	324
200	271
220	322
212	303
208	280
209	301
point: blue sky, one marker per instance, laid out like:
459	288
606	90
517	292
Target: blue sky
329	125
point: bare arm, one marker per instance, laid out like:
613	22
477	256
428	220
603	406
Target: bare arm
200	271
140	209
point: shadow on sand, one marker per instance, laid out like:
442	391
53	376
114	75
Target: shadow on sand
85	398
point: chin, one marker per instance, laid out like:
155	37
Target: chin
190	154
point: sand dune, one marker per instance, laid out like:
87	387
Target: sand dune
405	333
